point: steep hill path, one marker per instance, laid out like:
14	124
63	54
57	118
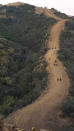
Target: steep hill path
44	112
47	12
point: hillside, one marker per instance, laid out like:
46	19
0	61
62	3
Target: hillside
44	106
36	68
23	35
66	54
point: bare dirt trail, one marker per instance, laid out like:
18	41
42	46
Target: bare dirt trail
47	12
44	112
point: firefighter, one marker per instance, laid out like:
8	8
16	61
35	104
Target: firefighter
33	128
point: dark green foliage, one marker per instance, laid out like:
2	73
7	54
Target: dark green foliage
59	14
66	54
68	107
23	73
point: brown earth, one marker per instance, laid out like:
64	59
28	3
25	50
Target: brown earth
47	12
44	112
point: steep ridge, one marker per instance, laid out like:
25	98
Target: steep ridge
47	12
15	4
43	113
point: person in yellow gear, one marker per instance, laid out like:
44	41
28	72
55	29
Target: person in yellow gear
19	129
33	128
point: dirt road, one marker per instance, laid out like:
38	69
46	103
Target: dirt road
44	112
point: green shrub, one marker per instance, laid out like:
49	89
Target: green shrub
23	74
68	107
66	54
